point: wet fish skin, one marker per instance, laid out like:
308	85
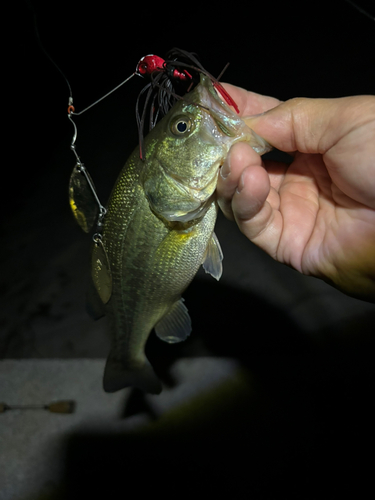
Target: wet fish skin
159	229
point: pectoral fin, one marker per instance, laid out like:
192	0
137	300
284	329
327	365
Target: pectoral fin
175	326
213	258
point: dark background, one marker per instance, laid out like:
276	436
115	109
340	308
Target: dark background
312	419
283	49
289	49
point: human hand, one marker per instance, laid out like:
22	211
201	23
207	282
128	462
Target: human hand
316	214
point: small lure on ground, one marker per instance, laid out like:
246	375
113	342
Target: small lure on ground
55	407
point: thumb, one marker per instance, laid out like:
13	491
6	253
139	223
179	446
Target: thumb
342	130
311	125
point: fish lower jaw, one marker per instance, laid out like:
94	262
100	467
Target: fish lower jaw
192	216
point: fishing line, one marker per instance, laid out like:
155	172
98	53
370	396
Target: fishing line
360	9
106	95
41	46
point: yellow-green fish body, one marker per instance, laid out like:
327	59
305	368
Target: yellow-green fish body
159	228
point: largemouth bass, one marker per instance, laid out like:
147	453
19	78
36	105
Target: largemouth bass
159	229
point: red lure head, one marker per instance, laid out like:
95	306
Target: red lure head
150	63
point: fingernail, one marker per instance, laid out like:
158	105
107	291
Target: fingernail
259	114
240	185
249	120
225	169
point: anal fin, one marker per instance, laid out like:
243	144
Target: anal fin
175	326
213	257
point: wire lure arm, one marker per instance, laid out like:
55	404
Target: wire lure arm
84	200
80	200
72	144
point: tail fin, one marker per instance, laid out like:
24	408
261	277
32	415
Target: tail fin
117	376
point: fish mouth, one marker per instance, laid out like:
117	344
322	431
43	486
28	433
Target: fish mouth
227	120
228	127
229	123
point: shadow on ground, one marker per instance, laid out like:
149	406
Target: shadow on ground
297	419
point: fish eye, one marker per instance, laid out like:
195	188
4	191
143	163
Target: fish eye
181	125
